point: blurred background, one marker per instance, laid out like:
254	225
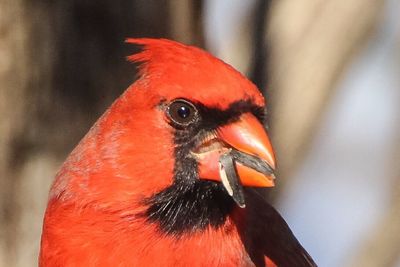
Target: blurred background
330	70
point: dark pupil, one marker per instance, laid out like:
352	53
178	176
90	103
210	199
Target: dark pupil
183	112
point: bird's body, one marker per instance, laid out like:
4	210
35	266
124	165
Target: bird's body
143	188
131	244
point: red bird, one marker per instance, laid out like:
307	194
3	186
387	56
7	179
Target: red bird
164	177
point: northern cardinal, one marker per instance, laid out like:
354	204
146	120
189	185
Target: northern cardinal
165	177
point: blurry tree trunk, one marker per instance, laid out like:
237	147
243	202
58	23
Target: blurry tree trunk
310	43
185	21
61	64
382	246
15	73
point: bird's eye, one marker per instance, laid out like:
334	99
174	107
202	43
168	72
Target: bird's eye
182	112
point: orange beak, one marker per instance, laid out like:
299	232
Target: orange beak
253	159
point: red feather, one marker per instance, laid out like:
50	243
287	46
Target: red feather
94	212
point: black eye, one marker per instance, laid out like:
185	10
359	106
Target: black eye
182	112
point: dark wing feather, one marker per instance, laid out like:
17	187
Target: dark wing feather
267	234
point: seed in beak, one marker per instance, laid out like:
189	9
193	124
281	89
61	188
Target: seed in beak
230	179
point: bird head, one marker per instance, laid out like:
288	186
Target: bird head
181	142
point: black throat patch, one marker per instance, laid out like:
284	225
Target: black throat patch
187	208
191	204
